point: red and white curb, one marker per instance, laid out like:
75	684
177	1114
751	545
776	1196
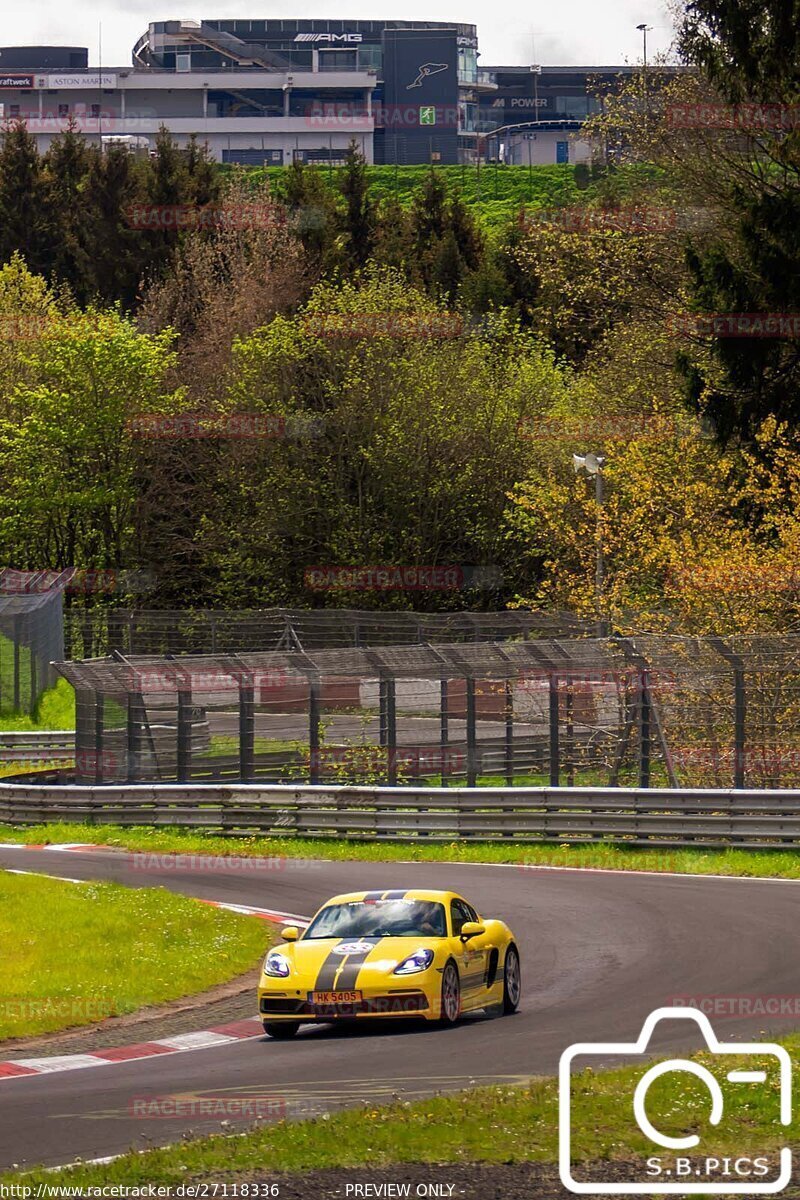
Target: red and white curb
219	1035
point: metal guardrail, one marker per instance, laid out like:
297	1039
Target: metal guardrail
37	746
668	818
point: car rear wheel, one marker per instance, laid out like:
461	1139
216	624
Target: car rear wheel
512	981
451	995
281	1030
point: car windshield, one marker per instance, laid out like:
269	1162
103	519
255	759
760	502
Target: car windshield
379	918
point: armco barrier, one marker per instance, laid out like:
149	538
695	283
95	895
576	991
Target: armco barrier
634	816
37	746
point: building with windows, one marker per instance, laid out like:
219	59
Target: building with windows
275	91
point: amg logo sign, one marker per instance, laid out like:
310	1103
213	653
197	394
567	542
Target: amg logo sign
328	37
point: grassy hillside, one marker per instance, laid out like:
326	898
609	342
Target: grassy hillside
496	191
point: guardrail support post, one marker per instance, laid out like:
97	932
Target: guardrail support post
136	722
17	637
739	715
85	734
313	729
472	734
391	731
184	749
99	723
644	730
444	732
382	711
247	730
509	740
553	712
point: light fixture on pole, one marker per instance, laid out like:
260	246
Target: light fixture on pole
593	464
644	30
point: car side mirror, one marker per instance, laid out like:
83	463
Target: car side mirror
290	933
471	929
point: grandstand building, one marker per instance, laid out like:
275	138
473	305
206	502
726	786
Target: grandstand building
276	91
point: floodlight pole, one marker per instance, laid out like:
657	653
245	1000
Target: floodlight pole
593	464
599	562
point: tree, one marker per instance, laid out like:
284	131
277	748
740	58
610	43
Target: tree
358	217
750	53
111	194
70	250
67	445
203	180
406	442
23	225
312	206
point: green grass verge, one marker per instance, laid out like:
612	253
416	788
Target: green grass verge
55	710
74	954
780	864
486	1125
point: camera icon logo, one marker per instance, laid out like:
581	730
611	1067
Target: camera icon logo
678	1171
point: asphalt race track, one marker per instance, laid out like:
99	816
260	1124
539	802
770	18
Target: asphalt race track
600	950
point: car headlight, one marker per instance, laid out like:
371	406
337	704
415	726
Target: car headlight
276	965
420	960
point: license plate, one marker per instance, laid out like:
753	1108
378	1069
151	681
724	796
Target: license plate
335	997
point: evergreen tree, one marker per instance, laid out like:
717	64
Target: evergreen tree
23	217
358	220
111	195
70	236
312	206
203	179
750	52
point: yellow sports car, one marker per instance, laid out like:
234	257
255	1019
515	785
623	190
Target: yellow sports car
418	953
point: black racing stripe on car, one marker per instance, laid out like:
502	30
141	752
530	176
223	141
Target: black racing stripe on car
327	972
347	977
397	895
373	895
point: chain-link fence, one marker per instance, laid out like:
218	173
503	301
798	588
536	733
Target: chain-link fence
649	711
90	632
31	639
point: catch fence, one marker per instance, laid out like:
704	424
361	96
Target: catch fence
650	711
99	630
31	639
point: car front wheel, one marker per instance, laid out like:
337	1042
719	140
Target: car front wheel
451	995
512	981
